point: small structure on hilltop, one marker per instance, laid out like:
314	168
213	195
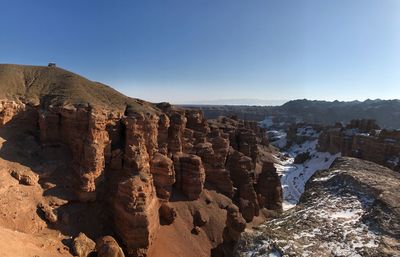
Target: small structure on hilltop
52	64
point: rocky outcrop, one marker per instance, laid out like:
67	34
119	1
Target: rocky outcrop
25	177
269	188
163	126
140	142
48	212
244	136
362	139
235	225
352	209
132	157
214	155
167	214
137	159
136	215
196	121
107	246
298	133
175	132
302	158
83	130
240	167
8	109
190	175
162	169
363	125
83	246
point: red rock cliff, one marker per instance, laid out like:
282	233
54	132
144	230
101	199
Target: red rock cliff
134	156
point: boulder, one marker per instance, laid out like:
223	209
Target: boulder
83	245
107	246
25	177
48	212
200	218
167	214
302	157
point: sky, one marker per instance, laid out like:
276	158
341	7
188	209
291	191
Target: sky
214	51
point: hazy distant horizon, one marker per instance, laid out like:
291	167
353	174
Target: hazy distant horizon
260	102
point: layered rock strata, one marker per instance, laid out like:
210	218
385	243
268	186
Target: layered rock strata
363	139
149	155
134	157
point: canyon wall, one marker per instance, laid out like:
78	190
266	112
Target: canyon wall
136	161
363	139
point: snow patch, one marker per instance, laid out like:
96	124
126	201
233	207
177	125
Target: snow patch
295	176
277	138
267	122
307	131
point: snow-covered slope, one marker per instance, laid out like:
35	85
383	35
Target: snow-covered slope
267	122
350	210
294	176
277	138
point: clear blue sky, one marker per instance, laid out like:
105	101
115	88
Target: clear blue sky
196	50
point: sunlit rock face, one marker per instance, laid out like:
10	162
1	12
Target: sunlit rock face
137	160
129	157
8	109
162	169
136	214
83	130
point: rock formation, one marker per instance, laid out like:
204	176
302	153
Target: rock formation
190	175
8	109
130	158
107	246
269	188
363	139
162	169
242	176
235	225
136	214
83	245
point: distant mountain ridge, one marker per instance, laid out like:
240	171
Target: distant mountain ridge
385	112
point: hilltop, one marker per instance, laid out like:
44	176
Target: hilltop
42	85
